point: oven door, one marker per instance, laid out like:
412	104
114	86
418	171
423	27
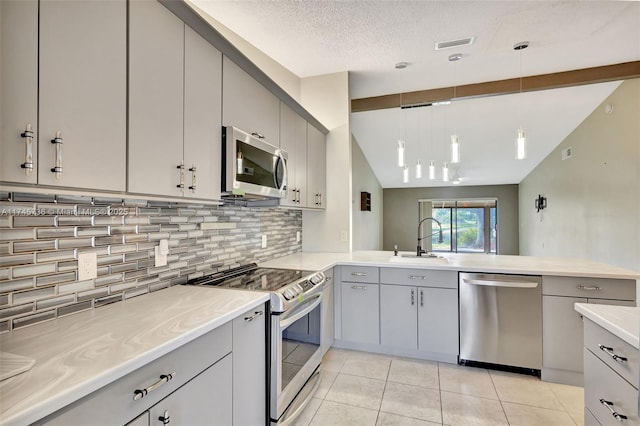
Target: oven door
295	357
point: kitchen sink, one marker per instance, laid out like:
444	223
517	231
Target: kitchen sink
425	259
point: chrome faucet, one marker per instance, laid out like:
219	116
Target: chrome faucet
419	250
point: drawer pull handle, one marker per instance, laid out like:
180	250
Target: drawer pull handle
359	287
359	274
255	315
588	287
609	405
164	378
417	277
165	418
413	297
609	351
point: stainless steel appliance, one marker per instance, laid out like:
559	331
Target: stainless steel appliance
251	167
295	330
501	321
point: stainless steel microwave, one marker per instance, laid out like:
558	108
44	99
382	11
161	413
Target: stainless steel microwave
251	167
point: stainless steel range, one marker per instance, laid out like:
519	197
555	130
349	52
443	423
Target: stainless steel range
295	330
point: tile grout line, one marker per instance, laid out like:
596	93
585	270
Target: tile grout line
495	389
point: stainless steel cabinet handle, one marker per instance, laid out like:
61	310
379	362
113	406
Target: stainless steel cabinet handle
298	195
421	297
609	405
193	170
328	278
609	351
181	169
359	274
255	315
588	287
164	378
57	168
359	287
28	136
257	135
417	277
320	199
413	297
165	418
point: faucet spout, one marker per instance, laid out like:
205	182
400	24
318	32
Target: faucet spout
419	250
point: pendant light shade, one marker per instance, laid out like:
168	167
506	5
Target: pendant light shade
445	172
455	149
432	170
400	153
521	145
419	170
405	174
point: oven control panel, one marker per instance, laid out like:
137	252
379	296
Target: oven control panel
294	290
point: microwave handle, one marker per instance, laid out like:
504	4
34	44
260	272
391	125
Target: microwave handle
283	183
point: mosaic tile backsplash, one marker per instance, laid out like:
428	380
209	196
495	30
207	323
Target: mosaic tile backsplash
41	236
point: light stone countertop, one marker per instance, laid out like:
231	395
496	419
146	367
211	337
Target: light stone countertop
80	353
532	265
622	321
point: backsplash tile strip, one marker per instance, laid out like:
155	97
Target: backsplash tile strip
41	235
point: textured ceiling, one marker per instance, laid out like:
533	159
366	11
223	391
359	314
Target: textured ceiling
367	37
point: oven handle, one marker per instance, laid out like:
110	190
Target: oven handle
300	311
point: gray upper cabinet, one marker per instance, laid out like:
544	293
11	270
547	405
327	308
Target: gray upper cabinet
82	94
248	105
174	107
202	117
293	139
316	168
156	77
18	89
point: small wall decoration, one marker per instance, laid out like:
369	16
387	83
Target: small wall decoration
365	201
540	203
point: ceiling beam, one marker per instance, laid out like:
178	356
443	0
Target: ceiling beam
556	80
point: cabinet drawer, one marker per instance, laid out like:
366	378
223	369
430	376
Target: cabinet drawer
592	288
597	339
114	403
603	384
361	274
419	277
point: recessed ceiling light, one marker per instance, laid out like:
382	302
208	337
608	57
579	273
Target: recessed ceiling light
455	43
521	45
455	57
401	65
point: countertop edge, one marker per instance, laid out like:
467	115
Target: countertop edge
602	319
51	405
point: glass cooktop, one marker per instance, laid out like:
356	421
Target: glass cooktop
250	277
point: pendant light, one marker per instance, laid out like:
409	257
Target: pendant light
432	164
405	174
455	143
445	172
432	170
400	153
521	139
419	170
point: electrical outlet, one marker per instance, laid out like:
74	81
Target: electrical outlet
298	237
344	236
264	240
87	266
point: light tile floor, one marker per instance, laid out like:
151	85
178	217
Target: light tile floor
376	390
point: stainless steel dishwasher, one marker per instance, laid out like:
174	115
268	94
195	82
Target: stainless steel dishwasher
501	321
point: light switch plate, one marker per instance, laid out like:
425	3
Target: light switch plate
87	266
160	259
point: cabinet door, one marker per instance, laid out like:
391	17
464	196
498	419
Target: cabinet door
562	331
360	313
156	51
398	316
202	117
18	88
205	400
316	168
249	368
328	322
82	90
293	139
248	105
438	320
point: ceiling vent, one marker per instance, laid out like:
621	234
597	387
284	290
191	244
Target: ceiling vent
455	43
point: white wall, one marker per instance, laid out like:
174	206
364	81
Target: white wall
594	197
367	225
326	97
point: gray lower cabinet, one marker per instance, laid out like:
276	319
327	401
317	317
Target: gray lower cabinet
438	323
562	326
399	316
360	312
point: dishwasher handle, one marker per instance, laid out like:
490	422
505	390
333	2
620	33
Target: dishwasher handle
498	283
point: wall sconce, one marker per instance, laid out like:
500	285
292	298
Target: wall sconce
540	203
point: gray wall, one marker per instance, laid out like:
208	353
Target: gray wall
366	225
401	213
593	197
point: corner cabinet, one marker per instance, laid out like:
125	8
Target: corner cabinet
248	105
174	106
293	139
69	59
316	168
562	326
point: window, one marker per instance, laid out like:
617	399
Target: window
468	226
